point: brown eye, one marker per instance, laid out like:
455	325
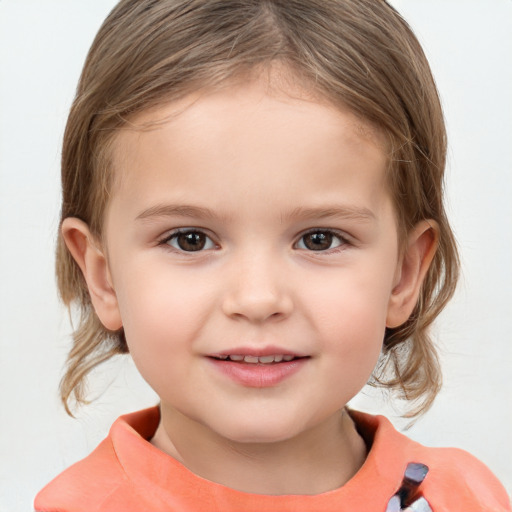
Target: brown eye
320	240
190	241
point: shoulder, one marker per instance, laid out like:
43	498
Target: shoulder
98	482
87	482
456	480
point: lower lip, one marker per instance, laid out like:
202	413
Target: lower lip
259	375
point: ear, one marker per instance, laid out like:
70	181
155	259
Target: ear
411	270
94	266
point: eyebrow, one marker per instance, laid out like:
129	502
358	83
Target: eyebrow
180	210
332	211
325	212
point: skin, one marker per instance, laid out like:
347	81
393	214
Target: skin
254	155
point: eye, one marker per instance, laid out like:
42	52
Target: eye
321	240
189	240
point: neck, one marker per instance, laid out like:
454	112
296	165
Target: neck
316	461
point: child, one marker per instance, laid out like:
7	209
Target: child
252	208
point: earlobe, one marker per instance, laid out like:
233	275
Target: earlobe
94	266
418	255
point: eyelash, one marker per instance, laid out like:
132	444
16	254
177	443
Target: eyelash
344	242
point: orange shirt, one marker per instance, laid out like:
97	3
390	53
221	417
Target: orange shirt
126	473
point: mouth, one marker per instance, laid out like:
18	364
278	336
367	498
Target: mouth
263	369
254	359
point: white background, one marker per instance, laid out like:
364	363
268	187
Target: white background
42	48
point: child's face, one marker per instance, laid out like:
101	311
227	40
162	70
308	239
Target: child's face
255	182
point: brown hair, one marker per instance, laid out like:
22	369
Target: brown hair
356	53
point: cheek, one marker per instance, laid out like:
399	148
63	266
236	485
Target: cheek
352	346
352	318
159	311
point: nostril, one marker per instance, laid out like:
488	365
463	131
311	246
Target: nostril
257	305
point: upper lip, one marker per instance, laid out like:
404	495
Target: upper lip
258	352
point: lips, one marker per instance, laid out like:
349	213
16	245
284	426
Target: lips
258	368
259	354
253	359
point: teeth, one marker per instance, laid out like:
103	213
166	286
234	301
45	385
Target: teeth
255	359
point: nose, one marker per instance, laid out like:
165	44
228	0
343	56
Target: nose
257	290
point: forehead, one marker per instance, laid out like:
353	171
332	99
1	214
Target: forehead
273	81
261	128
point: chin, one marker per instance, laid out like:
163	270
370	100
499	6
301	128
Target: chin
259	431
